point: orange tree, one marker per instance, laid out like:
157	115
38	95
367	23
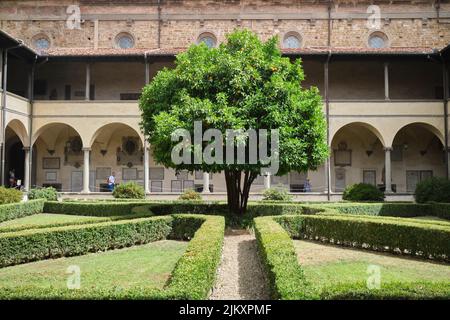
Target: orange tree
243	84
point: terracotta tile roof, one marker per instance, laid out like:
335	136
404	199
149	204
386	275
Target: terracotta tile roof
111	52
360	50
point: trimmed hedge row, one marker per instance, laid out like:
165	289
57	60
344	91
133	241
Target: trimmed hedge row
115	208
441	210
380	209
192	277
287	280
30	245
195	272
86	208
277	252
379	234
72	223
17	210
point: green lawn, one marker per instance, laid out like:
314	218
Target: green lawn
147	265
44	219
328	265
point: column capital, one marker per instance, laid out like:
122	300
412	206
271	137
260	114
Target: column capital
26	149
86	149
387	148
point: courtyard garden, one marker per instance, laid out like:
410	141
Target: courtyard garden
141	249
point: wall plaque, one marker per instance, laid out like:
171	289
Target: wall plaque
50	163
102	173
129	174
156	173
51	176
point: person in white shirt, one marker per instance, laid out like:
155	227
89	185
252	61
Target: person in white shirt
111	181
307	186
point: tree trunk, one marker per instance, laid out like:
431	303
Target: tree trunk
238	189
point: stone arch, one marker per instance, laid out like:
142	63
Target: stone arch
55	126
428	126
111	127
20	130
366	125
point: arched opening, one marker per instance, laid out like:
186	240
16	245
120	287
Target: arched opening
58	156
14	160
417	154
116	148
15	138
357	155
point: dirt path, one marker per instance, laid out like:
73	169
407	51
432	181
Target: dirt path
240	274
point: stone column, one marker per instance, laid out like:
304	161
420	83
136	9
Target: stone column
267	181
26	178
146	168
206	182
86	170
387	173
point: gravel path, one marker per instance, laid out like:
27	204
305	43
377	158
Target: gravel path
240	275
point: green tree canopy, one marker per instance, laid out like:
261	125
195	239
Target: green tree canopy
243	83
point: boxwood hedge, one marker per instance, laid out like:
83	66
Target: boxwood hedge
17	210
287	280
392	235
192	277
37	244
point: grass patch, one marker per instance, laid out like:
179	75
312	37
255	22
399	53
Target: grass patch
326	265
335	275
147	265
191	274
45	219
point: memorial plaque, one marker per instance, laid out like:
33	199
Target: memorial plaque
342	158
156	186
176	186
76	181
188	184
103	173
51	176
156	173
50	163
129	173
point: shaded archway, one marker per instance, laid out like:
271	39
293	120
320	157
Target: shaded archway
16	138
417	154
357	155
116	148
58	154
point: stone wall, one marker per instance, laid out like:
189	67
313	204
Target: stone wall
179	22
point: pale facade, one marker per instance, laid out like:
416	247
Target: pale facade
73	106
